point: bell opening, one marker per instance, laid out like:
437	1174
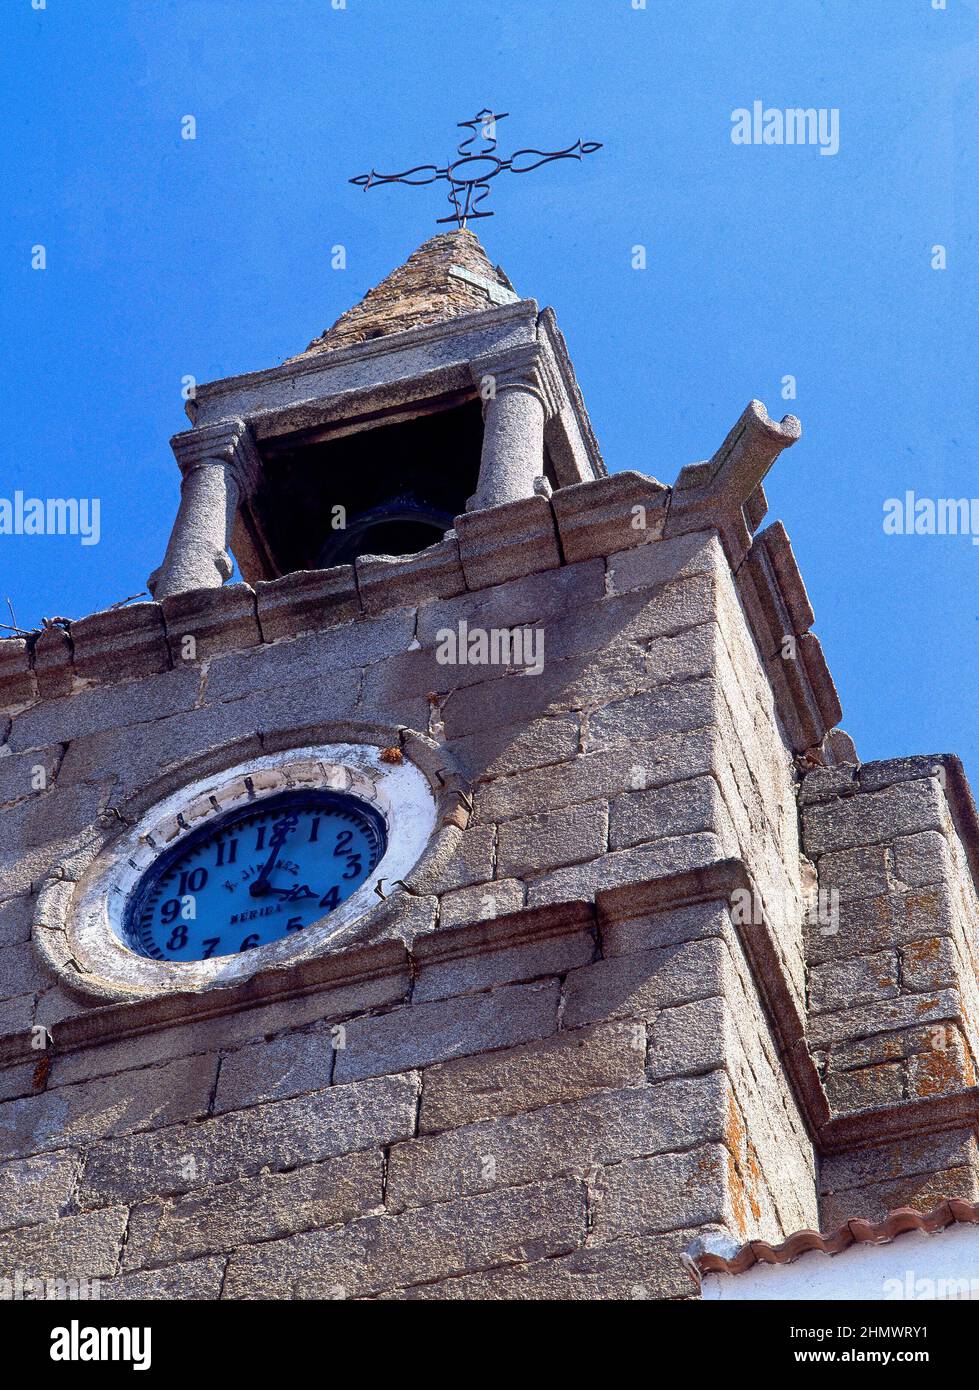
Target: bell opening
390	488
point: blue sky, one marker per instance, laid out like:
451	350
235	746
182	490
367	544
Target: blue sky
168	257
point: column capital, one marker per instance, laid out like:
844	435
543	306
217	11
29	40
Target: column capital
521	368
229	442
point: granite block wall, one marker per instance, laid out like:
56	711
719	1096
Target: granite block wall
893	994
575	1053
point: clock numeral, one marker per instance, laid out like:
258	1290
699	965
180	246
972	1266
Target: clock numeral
249	943
282	830
212	943
353	867
193	880
260	839
227	852
294	924
331	898
170	911
343	843
314	830
178	938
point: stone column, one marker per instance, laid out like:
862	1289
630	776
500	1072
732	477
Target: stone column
518	399
219	464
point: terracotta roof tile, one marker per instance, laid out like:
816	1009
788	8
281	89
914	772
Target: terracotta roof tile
853	1232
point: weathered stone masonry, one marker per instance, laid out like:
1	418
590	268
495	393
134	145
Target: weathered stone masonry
560	1052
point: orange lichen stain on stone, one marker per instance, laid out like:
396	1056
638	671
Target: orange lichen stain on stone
878	911
889	1048
735	1143
41	1071
925	1193
734	1134
392	755
919	1152
934	1075
736	1189
926	903
940	1071
927	955
754	1173
922	951
925	1005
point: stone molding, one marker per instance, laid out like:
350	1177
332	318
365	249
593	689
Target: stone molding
597	519
400	957
409	367
779	610
568	435
905	1119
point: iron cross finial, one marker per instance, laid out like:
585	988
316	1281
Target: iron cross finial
469	176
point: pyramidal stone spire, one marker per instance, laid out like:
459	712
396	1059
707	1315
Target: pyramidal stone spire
447	276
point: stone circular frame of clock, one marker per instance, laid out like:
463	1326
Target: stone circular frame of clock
259	865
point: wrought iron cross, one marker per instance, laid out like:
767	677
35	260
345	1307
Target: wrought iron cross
469	176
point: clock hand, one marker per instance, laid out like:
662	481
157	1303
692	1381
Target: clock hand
280	832
297	893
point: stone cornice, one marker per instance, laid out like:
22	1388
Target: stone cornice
377	959
410	370
590	519
374	960
548	332
904	1120
390	345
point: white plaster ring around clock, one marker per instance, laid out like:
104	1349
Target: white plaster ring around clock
399	792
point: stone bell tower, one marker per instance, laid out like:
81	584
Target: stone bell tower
372	441
644	972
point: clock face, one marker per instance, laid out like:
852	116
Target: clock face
258	873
